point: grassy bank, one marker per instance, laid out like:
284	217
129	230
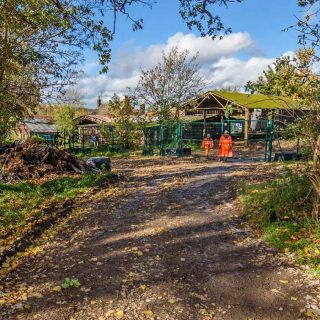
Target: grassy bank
281	211
22	203
106	152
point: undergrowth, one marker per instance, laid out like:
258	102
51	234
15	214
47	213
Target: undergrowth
106	152
20	202
281	211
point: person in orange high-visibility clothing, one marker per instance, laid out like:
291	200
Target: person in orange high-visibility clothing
207	144
225	147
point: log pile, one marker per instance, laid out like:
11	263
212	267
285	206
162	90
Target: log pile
34	159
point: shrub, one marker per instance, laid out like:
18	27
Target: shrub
286	198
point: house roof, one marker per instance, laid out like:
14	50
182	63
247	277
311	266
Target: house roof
251	101
95	118
40	125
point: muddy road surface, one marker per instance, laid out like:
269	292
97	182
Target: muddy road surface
168	243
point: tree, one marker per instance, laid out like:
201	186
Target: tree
292	77
124	116
171	82
66	117
296	79
72	97
308	25
41	44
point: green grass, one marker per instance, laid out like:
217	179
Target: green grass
23	201
105	152
287	197
281	211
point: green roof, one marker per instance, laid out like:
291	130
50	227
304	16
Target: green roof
257	101
252	101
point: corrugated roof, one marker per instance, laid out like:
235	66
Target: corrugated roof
40	125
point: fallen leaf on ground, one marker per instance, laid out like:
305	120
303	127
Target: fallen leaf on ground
57	289
119	314
310	314
148	313
284	281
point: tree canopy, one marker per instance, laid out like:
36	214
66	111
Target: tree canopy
163	88
42	41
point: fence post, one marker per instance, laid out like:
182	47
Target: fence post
82	136
161	139
246	127
179	134
269	138
112	137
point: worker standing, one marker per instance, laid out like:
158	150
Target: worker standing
207	144
225	147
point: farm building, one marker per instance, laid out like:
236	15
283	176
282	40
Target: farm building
241	114
93	122
41	127
90	128
213	105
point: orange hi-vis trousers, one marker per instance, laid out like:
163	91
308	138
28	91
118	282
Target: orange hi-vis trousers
225	147
207	144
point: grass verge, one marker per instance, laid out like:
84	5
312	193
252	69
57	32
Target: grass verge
281	212
23	203
106	152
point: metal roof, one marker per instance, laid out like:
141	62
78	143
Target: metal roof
40	126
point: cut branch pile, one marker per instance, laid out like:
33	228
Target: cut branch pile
35	159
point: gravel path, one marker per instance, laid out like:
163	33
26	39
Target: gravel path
167	244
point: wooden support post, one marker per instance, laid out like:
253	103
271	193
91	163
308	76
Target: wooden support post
204	133
246	127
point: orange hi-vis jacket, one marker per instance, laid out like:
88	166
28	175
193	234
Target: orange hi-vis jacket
207	143
225	146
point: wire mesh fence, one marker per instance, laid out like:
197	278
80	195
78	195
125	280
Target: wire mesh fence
179	137
84	140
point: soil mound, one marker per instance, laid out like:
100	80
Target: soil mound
34	159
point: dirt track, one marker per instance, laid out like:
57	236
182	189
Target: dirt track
171	246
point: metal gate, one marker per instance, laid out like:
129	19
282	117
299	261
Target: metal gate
251	139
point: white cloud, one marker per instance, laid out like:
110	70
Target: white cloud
217	60
208	49
233	72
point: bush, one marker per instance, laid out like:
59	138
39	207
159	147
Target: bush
281	210
286	198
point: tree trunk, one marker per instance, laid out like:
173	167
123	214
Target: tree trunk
315	178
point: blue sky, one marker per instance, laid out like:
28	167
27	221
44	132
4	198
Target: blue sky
258	39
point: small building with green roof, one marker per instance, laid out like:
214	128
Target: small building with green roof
245	112
218	105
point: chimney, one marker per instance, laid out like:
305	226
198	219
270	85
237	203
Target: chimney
142	110
99	102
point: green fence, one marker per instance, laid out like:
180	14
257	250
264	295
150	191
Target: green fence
79	140
177	137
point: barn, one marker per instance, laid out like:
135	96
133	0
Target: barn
242	114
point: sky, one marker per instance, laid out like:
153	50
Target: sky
257	39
